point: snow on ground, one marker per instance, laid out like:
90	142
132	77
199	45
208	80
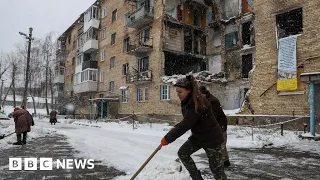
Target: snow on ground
9	109
7	127
118	145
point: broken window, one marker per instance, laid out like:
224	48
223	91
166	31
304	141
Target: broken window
125	69
126	44
144	35
182	64
246	65
114	15
143	64
246	33
289	23
217	37
187	41
231	39
113	38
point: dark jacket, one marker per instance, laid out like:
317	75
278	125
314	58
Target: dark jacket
218	111
206	131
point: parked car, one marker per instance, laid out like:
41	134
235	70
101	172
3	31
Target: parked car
3	116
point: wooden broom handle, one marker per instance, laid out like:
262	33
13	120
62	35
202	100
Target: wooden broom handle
145	163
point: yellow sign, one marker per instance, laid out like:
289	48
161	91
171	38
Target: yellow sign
287	85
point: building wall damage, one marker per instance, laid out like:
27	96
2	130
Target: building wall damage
218	38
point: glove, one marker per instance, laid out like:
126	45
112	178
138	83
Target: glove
164	142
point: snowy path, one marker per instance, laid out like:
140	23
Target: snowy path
56	147
117	145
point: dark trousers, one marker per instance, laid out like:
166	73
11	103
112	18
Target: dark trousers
24	139
215	160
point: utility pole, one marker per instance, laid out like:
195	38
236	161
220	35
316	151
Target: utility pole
1	90
25	92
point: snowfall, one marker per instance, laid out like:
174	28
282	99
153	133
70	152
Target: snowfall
117	144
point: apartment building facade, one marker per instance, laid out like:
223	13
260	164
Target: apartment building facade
136	46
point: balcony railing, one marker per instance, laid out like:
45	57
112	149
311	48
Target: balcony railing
139	77
86	86
90	64
140	46
140	17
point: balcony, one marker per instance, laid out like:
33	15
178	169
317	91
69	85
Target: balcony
140	17
86	86
58	94
91	18
140	47
90	46
139	77
89	65
58	79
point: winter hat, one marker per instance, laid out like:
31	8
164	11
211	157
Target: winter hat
204	90
15	109
184	82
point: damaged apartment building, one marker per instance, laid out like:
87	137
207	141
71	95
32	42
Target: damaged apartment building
124	56
215	38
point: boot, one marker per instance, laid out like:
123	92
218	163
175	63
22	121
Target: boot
227	163
18	140
196	175
24	140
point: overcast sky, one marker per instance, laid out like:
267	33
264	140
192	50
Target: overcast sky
43	15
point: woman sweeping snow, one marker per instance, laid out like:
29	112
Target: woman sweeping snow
206	132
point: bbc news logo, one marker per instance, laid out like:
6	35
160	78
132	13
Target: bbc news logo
47	164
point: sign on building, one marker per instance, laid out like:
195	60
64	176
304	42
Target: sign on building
287	64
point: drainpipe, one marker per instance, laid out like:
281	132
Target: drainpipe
312	109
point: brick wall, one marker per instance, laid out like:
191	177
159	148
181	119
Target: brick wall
265	74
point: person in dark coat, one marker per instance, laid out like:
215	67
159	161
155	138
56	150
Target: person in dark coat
53	117
221	118
206	132
23	123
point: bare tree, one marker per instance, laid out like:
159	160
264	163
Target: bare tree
47	46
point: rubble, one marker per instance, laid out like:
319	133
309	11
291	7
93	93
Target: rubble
203	76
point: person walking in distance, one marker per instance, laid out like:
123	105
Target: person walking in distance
206	132
221	118
53	117
23	123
